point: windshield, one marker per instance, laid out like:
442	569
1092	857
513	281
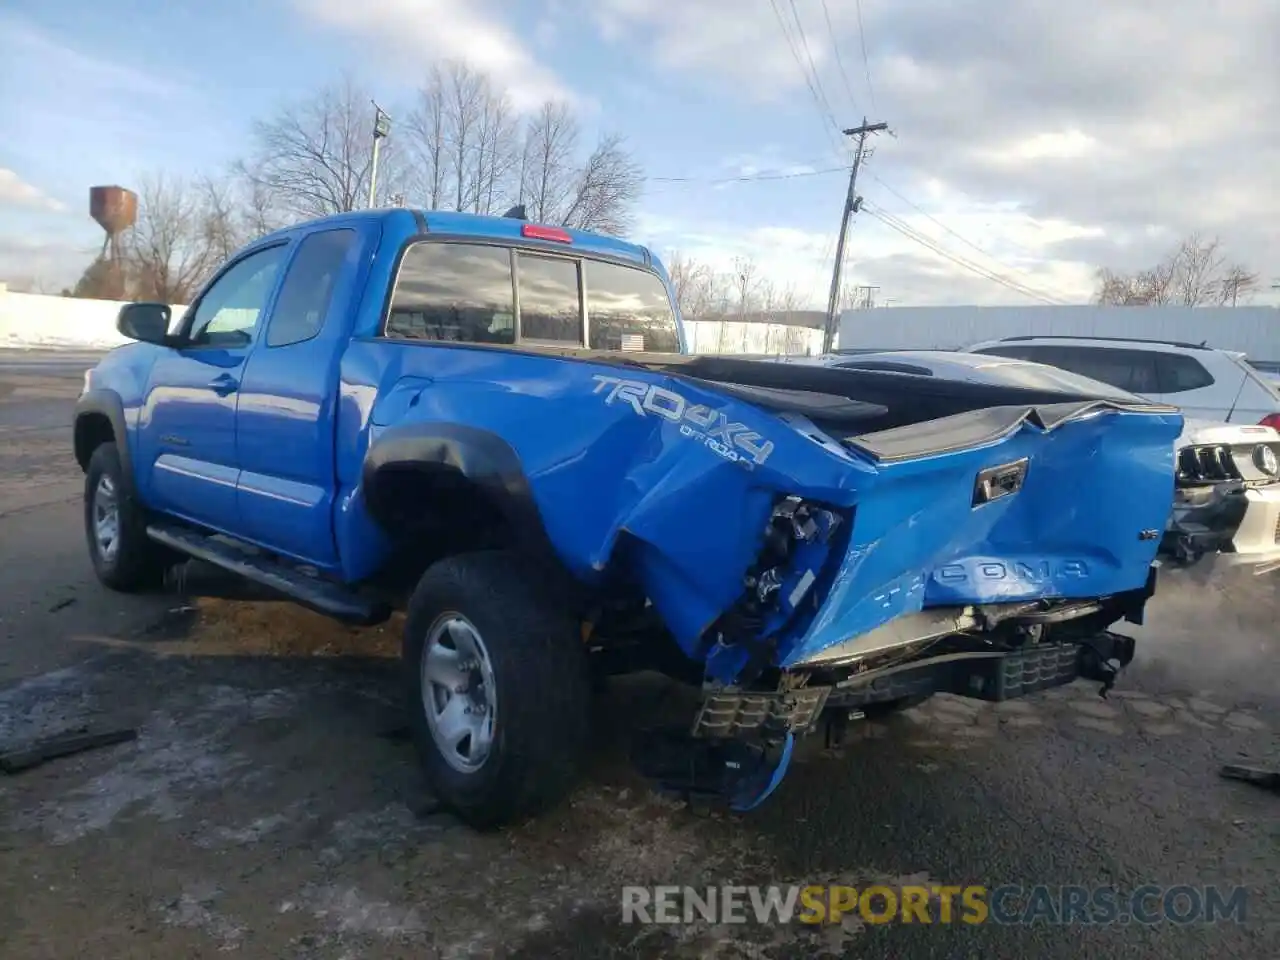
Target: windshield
1263	374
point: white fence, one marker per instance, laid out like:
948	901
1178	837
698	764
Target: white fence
726	336
35	320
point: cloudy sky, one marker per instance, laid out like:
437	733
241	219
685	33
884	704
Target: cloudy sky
1032	141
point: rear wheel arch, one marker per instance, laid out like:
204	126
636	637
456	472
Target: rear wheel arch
462	479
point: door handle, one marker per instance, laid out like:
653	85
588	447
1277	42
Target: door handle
224	384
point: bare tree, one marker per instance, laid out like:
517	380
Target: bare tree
693	284
497	156
1239	284
462	148
462	141
597	194
605	189
426	148
314	157
1195	274
546	164
744	279
788	300
170	250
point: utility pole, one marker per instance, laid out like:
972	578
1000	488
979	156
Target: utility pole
381	127
851	204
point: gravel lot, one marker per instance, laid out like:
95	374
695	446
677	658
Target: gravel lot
264	811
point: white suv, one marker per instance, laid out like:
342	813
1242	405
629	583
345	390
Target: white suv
1206	383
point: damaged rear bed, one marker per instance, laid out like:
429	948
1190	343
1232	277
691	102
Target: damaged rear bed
890	537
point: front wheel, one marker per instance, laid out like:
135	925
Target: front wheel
499	689
124	557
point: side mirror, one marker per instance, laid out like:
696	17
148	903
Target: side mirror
148	322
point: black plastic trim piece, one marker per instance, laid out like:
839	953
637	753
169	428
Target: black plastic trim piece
483	458
322	596
105	403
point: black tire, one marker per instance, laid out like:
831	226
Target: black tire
891	708
540	673
137	562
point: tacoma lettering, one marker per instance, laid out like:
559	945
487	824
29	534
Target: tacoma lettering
989	570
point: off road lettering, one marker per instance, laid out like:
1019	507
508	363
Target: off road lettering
729	439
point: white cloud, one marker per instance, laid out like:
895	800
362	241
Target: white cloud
47	265
736	45
1018	250
14	191
1091	134
418	31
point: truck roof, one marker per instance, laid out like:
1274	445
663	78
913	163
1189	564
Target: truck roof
482	225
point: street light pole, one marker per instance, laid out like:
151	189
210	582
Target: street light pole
381	127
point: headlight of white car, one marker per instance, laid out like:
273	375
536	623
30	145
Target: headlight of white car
1264	458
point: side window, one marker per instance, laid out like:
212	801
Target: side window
1180	373
228	313
307	291
454	291
627	309
550	299
1131	370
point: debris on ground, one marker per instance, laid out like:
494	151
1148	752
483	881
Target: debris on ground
52	748
1259	776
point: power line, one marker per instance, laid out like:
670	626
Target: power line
779	175
911	233
835	45
942	225
866	63
824	109
813	69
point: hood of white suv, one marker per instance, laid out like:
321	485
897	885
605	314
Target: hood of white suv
1198	432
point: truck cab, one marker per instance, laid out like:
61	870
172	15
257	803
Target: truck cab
250	416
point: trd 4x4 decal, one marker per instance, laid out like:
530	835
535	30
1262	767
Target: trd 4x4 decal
733	441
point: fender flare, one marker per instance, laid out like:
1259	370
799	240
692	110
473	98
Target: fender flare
482	457
106	403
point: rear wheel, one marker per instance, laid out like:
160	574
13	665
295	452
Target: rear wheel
124	557
499	690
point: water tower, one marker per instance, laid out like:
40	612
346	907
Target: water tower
116	210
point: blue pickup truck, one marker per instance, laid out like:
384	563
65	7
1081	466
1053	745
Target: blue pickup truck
495	427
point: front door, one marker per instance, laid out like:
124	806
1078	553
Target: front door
187	425
288	399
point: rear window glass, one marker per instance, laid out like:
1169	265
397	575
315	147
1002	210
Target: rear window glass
1131	370
1044	377
1179	373
550	299
307	291
454	291
628	309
